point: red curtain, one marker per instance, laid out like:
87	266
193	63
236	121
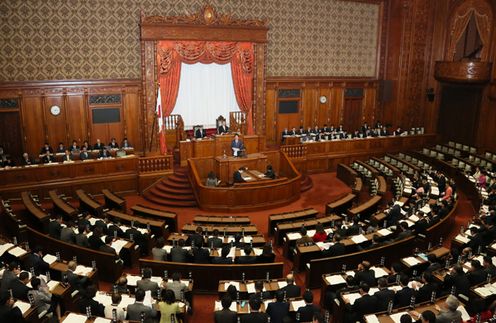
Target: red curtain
170	55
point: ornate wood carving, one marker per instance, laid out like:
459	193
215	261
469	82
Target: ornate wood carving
463	72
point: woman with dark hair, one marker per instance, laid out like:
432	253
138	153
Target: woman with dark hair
269	173
168	307
211	179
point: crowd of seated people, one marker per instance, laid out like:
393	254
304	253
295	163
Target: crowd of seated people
336	133
66	154
198	247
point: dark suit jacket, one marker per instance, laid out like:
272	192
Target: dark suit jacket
39	265
277	311
367	276
246	260
425	292
19	290
365	305
254	318
383	297
201	256
237	178
337	249
215	241
292	291
403	297
477	276
461	283
307	311
179	254
222	260
200	133
108	249
82	240
74	280
67	235
54	229
95	242
225	316
195	239
222	129
97	309
84	155
10	314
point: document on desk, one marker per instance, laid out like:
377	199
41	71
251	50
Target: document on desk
396	317
49	259
359	239
335	280
75	318
297	304
379	272
411	261
5	247
235	284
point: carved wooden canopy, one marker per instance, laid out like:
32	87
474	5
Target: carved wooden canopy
205	25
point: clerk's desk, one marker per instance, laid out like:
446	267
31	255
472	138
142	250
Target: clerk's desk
226	166
217	145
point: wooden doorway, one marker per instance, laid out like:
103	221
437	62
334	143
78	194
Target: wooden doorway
10	134
352	116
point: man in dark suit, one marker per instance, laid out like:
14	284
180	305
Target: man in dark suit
285	134
279	309
337	249
225	315
81	238
405	231
67	233
291	289
365	274
259	291
97	309
489	268
95	240
196	238
214	241
237	178
107	247
113	144
394	214
200	254
178	253
476	274
35	260
255	316
248	258
223	259
223	128
429	286
9	313
26	160
84	155
67	156
55	227
384	295
98	145
200	133
46	154
403	296
72	278
9	275
306	312
237	146
457	278
18	286
366	304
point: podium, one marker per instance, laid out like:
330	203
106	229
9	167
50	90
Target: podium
226	166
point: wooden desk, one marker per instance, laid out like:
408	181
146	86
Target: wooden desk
62	207
257	239
37	215
368	207
339	206
217	146
275	219
220	219
215	273
347	174
247	229
225	167
292	226
88	203
157	227
169	217
112	200
118	174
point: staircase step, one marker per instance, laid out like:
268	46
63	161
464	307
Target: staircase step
164	195
175	203
178	179
306	184
173	190
167	182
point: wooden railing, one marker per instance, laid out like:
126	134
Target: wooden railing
155	164
295	151
237	120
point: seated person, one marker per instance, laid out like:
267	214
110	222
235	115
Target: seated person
248	258
145	283
26	160
134	310
113	144
67	156
223	128
212	180
285	134
61	148
223	259
270	172
237	178
104	153
74	147
126	144
199	132
97	309
237	146
120	314
291	289
306	312
86	145
98	145
267	255
255	314
84	155
46	154
177	286
304	237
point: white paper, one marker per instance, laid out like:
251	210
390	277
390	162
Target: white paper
17	252
23	306
297	304
350	273
82	270
384	232
414	218
359	238
49	259
52	284
247	239
465	316
411	261
462	238
232	253
101	320
352	297
5	247
250	288
75	318
426	209
282	284
257	251
294	235
335	280
397	316
371	318
379	272
324	245
118	245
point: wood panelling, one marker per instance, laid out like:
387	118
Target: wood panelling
74	121
311	111
10	132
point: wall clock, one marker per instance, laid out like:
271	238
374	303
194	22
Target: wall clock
55	110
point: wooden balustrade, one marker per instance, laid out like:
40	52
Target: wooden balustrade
155	164
295	151
237	120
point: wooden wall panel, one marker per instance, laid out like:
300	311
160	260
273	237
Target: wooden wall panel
55	124
32	125
312	112
76	119
74	122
